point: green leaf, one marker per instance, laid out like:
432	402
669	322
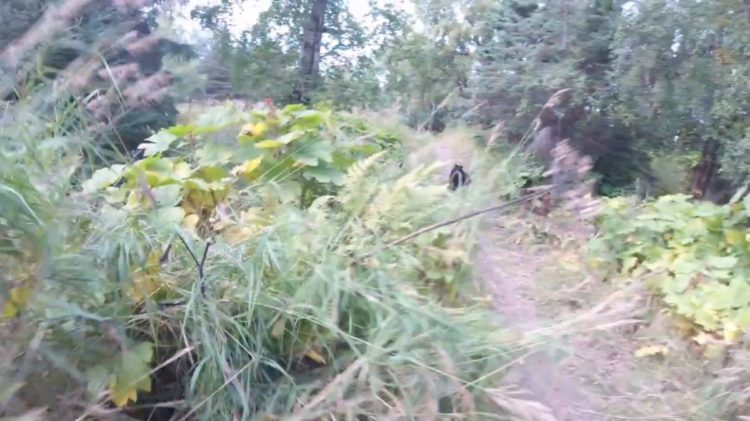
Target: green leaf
212	173
98	377
168	217
102	178
182	170
740	292
157	165
181	130
325	174
169	195
291	136
213	154
686	265
312	152
132	374
157	143
719	262
216	118
268	144
292	108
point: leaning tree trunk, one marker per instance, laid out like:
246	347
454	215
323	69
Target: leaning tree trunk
309	66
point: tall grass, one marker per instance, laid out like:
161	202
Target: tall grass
310	317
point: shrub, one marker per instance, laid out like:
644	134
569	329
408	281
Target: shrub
297	310
695	255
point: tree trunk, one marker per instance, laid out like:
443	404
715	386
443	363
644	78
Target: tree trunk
705	170
309	66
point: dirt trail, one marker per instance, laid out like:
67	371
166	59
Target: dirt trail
510	274
585	369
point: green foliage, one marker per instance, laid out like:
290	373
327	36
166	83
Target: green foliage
306	150
695	255
302	304
264	60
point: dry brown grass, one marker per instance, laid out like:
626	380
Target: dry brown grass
594	327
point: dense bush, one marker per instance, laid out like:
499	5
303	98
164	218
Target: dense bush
297	310
695	255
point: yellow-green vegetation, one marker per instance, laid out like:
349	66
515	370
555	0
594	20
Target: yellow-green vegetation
298	312
694	254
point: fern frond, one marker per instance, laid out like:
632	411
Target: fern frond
355	194
359	170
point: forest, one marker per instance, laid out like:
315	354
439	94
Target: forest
372	209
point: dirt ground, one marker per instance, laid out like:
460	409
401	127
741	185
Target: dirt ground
582	332
586	330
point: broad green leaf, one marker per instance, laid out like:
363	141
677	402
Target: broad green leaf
169	195
102	178
312	152
98	377
131	374
181	130
268	144
324	174
292	108
211	173
157	143
213	154
156	165
116	195
722	262
182	170
216	118
740	292
287	192
197	184
165	217
291	136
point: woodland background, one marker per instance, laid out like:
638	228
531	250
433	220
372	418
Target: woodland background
151	151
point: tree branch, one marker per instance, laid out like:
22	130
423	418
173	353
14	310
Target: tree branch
435	226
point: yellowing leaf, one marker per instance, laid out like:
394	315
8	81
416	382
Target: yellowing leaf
651	350
146	281
10	311
121	397
132	374
268	144
190	222
253	130
246	168
732	332
20	295
182	170
237	234
315	356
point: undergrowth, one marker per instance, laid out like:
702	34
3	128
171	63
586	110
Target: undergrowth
693	254
240	271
